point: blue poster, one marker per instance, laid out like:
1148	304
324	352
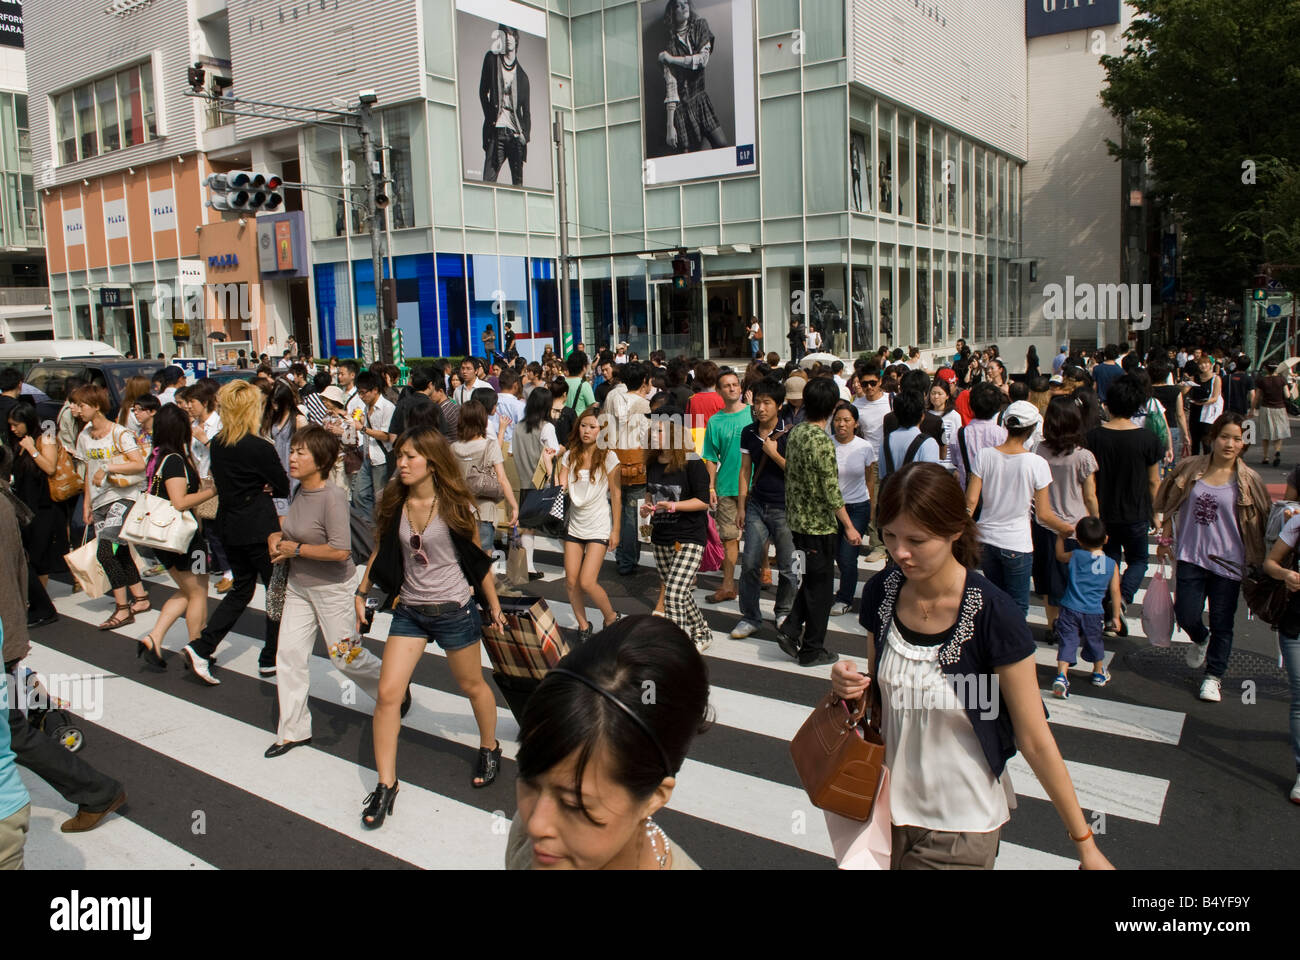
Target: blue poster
1044	17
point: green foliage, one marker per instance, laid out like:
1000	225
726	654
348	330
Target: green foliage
1204	87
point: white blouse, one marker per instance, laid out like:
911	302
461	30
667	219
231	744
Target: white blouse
939	778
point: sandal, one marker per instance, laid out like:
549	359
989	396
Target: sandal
145	600
489	763
147	647
116	620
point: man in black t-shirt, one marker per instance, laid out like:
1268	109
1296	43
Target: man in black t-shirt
762	507
1128	474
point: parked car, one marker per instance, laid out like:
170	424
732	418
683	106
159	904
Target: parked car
25	354
223	377
51	376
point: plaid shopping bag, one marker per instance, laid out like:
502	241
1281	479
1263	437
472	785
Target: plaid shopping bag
532	643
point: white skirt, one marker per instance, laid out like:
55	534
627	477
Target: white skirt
1274	424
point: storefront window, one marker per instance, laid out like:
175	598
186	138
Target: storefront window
954	320
885	292
633	308
827	307
885	164
453	308
860	171
924	302
597	304
545	300
398	166
862	300
922	174
905	187
906	299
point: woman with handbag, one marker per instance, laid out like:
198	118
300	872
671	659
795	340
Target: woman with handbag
534	440
591	479
173	474
436	578
316	545
952	665
46	538
1204	402
113	466
247	474
1220	536
483	468
596	763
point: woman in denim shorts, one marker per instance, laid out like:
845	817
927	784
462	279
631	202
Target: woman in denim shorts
429	561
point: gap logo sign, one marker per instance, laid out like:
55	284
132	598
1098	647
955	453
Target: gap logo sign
1044	17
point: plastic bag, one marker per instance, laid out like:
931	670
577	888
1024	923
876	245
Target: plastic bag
1158	609
713	553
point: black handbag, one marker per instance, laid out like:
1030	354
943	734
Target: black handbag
1266	598
544	510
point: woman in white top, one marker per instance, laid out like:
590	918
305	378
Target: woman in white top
854	457
590	475
951	668
534	442
481	462
200	402
941	403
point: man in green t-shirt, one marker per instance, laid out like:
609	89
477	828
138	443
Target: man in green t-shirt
722	459
580	396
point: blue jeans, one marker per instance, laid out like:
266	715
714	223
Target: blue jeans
1291	658
486	531
628	554
1130	539
764	523
847	559
367	483
1010	570
753	349
451	631
1193	585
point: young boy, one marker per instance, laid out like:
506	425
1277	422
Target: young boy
1092	575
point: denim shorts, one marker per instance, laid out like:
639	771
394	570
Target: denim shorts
451	631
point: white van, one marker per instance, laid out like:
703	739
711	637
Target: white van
24	354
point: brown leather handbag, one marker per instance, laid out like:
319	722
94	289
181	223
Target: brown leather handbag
65	483
839	766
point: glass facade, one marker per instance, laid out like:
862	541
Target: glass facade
870	222
20	210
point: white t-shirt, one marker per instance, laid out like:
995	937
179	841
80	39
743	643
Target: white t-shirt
378	418
97	454
1009	484
853	458
167	396
199	449
951	424
871	414
589	514
753	331
814	340
465	392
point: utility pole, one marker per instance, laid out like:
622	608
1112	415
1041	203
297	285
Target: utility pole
366	128
565	320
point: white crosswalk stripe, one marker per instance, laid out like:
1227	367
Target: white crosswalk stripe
740	793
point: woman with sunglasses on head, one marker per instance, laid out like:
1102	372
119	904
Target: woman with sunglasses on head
435	576
596	763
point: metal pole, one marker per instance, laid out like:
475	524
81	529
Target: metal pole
565	307
385	347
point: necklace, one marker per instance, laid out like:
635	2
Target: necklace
654	832
433	505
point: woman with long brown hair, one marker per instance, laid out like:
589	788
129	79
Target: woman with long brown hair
132	390
435	577
953	663
590	476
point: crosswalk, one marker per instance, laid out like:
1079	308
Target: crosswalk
209	791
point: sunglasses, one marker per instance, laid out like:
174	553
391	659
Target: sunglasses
417	550
871	383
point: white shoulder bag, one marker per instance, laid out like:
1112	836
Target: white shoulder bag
154	522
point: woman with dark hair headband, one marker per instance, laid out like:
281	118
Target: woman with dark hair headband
598	758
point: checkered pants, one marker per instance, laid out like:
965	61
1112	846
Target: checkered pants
677	569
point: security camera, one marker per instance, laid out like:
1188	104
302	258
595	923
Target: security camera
368	97
85	183
243	221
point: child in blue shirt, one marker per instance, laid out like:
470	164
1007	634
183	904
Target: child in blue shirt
15	804
1091	575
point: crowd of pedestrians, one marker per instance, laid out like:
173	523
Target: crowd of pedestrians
973	486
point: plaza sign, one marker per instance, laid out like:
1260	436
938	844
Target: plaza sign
1044	17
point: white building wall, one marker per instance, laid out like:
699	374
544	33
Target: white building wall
965	70
13	69
1072	185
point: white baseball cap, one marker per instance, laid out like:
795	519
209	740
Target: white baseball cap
1021	414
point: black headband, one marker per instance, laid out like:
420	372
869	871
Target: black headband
663	754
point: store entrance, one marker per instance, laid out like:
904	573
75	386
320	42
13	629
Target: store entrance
731	302
679	319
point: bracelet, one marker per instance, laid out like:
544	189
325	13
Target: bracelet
672	506
1086	836
360	593
1164	541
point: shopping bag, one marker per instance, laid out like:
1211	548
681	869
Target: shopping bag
1158	610
84	565
516	561
543	510
531	643
864	846
711	559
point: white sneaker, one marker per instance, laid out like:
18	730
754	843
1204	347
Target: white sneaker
1196	654
199	665
839	609
1295	791
744	628
1210	690
702	645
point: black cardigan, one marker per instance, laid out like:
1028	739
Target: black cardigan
245	513
388	571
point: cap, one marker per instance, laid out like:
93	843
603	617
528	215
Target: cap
1021	414
947	374
1056	378
335	394
794	388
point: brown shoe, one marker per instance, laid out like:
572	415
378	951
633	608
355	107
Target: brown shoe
224	585
85	820
722	596
765	579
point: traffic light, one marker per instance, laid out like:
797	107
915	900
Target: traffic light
681	273
196	77
1259	293
246	191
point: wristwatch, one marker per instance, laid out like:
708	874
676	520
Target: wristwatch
297	550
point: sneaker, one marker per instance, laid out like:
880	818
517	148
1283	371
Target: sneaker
745	628
199	665
703	643
1061	687
1196	654
1101	679
839	609
820	658
877	555
1210	689
224	585
1295	791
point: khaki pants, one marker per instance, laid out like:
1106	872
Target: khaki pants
919	848
329	608
503	508
874	540
13	835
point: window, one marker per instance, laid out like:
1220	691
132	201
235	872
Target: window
111	113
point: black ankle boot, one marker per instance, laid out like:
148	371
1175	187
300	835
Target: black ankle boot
378	806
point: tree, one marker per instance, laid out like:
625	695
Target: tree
1205	92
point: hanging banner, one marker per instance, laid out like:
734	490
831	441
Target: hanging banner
74	227
162	210
115	219
11	24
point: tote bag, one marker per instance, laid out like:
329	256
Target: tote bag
153	521
83	564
